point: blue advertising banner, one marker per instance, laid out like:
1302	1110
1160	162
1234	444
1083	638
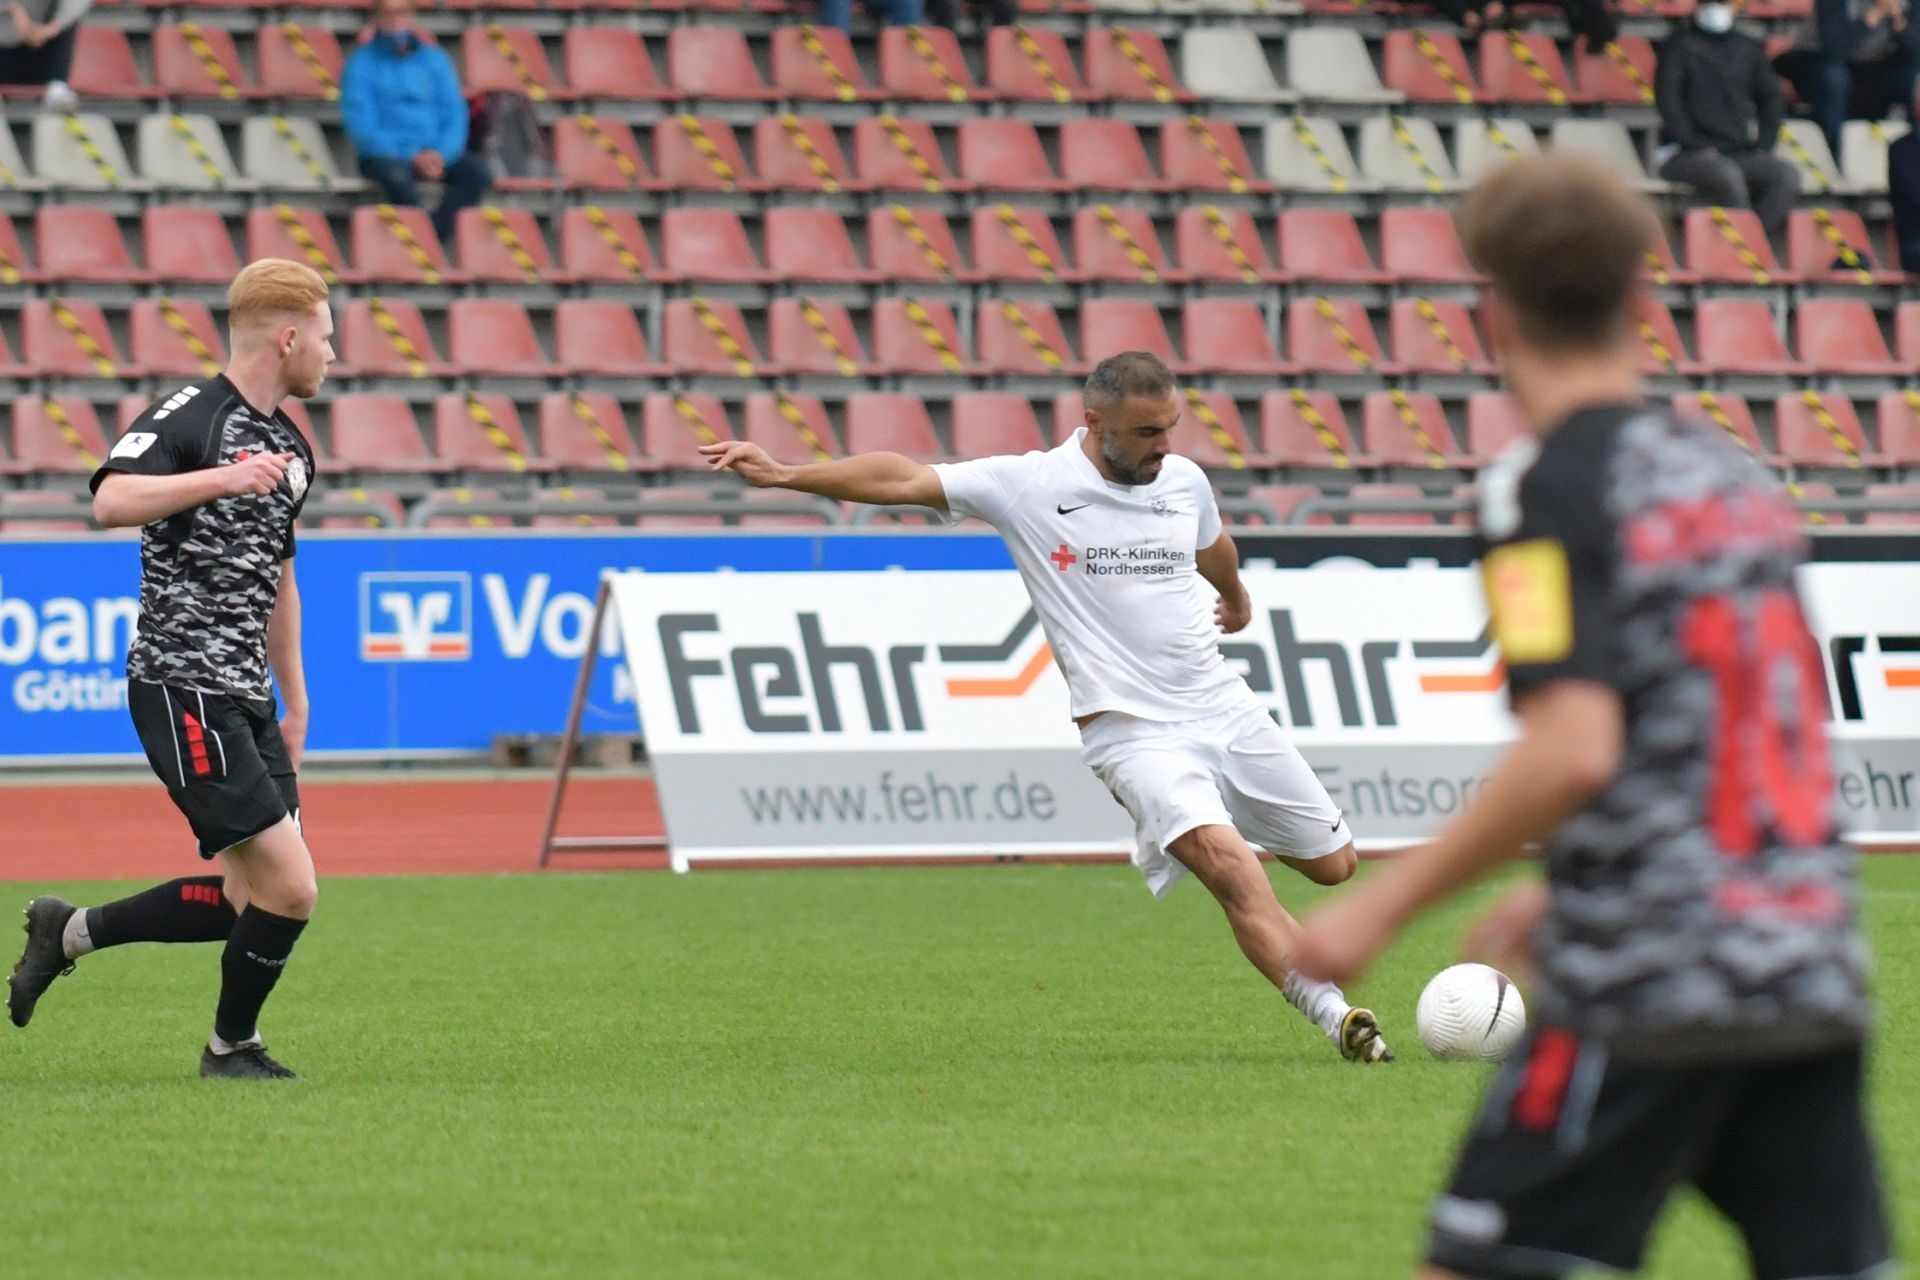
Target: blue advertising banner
415	643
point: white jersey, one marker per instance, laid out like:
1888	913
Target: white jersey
1110	568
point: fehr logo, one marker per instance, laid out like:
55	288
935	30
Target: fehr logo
416	617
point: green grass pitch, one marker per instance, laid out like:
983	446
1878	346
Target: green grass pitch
1000	1072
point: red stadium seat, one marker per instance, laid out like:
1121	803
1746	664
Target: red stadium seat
1130	64
1324	245
507	59
696	154
1729	413
1023	338
911	245
475	432
369	348
299	61
1017	246
183	58
1662	267
1281	500
1737	335
1229	335
1388	493
398	246
495	336
491	242
817	62
1098	153
898	154
894	423
1812	251
1032	64
601	338
1069	415
269	235
674	426
1840	335
1661	350
1906	332
607	246
1211	433
605	61
13	255
912	336
1525	67
1901	494
924	64
1425	442
157	346
813	244
710	244
1422	246
188	244
1109	326
9	367
64	440
82	242
1823	431
989	423
48	342
378	433
1494	424
1222	244
1004	154
1899	427
104	65
1436	336
770	424
714	62
1307	429
592	153
586	431
1118	242
1334	336
801	153
692	348
796	342
1617	74
1728	246
1208	155
1428	66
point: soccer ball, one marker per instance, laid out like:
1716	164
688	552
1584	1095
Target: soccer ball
1470	1013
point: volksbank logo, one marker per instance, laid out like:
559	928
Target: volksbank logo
416	617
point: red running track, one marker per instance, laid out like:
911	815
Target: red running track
410	827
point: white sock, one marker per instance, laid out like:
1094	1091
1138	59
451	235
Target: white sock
76	941
221	1048
1323	1003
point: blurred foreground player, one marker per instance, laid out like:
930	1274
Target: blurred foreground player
1700	996
1165	723
216	475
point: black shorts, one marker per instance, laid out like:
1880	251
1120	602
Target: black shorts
222	758
1573	1157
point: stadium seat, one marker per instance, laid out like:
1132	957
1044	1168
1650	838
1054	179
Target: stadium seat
818	62
1436	336
924	64
1229	336
14	263
911	245
1307	429
801	153
1662	267
673	426
478	432
1832	246
815	336
1898	419
713	62
700	154
1310	154
189	245
602	338
386	338
899	154
62	440
1118	243
557	519
1279	502
284	153
24	179
157	343
1023	338
1098	153
1429	66
691	348
1421	246
1863	154
195	61
1617	74
1207	155
504	246
710	245
1727	246
1324	246
104	65
918	338
1525	68
812	244
1211	433
1738	335
1015	246
1404	153
1661	349
1481	146
1607	141
1032	64
1719	411
770	423
187	153
49	341
1228	64
1841	336
990	423
498	58
1331	64
1069	415
1221	244
1387	494
1334	336
1129	64
1803	144
80	151
1897	495
1494	424
593	153
607	246
398	246
1822	432
586	431
1409	429
605	61
82	242
299	62
1112	325
894	423
372	433
1004	154
1906	332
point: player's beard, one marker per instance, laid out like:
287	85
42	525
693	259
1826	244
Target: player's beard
1125	472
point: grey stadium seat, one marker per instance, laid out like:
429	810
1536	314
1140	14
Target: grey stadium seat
1294	165
273	161
1330	64
172	162
1607	140
1228	64
1390	159
1808	153
61	159
1863	153
1477	152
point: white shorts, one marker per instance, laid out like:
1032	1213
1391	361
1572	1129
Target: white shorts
1234	769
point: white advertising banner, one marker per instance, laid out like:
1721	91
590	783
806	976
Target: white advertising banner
898	714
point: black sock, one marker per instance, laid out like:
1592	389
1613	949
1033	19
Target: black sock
190	910
251	964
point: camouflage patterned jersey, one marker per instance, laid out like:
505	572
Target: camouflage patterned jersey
209	576
1703	907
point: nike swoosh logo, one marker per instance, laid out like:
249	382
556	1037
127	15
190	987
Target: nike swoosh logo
1067	511
1337	816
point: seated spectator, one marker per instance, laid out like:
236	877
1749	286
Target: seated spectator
1853	59
1720	110
898	13
36	47
988	13
1903	183
404	112
1590	20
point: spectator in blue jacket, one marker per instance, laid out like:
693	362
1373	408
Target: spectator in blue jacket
407	118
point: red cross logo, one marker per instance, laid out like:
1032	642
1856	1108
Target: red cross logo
1063	558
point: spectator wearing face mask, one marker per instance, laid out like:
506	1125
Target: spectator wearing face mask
1720	110
36	47
407	118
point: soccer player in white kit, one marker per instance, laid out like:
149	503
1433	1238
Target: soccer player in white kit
1120	545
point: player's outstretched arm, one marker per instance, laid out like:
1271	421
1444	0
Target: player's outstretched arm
880	479
126	500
